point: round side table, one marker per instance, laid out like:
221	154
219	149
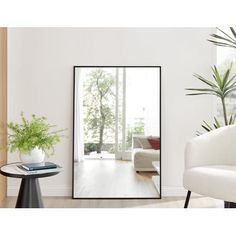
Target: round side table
29	195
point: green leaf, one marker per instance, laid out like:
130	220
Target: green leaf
226	77
229	87
207	125
205	81
194	94
202	90
230	120
233	31
230	91
198	133
217	76
233	119
230	80
215	92
217	123
221	44
225	34
206	128
223	38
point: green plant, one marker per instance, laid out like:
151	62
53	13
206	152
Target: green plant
225	40
221	86
136	128
89	147
28	134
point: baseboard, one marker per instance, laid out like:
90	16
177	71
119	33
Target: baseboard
56	191
169	191
63	191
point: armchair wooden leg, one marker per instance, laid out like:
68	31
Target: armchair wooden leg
187	199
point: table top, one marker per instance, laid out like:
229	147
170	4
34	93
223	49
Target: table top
12	170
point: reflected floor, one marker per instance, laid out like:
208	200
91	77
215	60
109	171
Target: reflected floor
112	179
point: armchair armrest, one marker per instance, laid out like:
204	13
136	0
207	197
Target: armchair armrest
217	147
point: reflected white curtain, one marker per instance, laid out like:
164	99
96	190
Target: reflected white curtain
152	108
78	128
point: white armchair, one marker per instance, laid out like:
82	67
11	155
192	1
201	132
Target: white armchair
210	165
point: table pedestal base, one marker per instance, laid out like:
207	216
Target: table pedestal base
29	194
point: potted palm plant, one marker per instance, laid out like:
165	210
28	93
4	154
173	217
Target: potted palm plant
221	86
33	139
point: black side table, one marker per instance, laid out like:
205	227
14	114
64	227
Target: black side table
29	195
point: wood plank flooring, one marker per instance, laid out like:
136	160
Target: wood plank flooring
166	202
112	178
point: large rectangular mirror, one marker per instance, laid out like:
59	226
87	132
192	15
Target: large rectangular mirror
117	132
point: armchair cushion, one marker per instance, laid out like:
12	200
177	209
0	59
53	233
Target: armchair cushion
216	181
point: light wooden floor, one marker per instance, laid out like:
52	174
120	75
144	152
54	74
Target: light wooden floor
112	178
167	202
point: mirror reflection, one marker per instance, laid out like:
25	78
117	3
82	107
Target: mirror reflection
116	132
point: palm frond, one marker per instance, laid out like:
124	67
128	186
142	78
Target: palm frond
233	119
233	32
194	94
201	89
217	77
227	35
217	123
206	128
230	80
226	77
208	82
207	125
198	133
215	92
230	120
224	41
217	43
230	91
223	38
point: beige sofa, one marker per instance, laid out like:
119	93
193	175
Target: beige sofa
143	157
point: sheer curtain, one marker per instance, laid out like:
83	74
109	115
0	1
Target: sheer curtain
78	129
152	106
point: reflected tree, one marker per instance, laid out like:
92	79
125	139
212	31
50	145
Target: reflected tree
99	105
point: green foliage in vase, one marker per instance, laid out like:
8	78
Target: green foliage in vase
221	86
29	134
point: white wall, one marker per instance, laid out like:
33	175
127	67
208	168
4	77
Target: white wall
40	63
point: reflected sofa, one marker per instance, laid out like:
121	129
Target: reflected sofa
143	155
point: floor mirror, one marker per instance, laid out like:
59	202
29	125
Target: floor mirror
117	132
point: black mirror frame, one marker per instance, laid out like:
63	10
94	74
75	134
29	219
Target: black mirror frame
73	139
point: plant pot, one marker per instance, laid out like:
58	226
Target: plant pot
34	156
